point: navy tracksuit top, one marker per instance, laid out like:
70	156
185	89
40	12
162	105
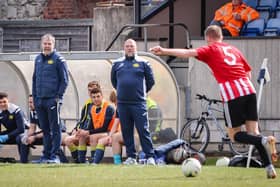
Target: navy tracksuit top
132	77
13	120
50	78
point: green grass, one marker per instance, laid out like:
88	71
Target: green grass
109	175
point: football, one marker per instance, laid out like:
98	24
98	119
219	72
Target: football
191	167
223	161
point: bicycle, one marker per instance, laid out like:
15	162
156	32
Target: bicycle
196	131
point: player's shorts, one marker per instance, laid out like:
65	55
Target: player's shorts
241	109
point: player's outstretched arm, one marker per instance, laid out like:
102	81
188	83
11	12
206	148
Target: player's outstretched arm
182	53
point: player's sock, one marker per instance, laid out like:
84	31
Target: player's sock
244	137
99	153
74	155
92	151
117	159
82	151
74	152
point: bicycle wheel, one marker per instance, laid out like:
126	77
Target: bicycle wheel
196	133
239	148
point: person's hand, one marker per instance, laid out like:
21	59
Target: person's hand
74	132
237	16
77	134
157	50
110	140
82	133
3	138
31	139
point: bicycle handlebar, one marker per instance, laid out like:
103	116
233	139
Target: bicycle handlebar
203	97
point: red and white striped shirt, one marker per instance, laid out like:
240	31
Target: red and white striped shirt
230	69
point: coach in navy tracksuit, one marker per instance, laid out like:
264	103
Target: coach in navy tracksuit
13	119
132	77
50	80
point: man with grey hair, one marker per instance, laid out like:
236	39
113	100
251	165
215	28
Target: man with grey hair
50	80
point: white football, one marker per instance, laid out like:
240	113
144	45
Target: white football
223	161
191	167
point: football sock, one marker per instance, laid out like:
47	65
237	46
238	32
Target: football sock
99	153
117	159
74	152
244	137
82	151
74	155
92	151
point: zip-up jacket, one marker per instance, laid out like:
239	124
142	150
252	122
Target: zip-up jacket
50	77
132	77
225	15
13	120
82	123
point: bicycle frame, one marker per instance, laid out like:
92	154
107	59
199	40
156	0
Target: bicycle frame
208	113
196	131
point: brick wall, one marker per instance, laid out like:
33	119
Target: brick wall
67	9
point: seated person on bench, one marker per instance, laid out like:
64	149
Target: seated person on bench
32	136
71	141
13	119
101	119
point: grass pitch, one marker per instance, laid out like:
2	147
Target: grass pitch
110	175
